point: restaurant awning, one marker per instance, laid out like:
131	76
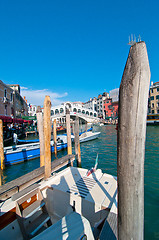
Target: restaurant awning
6	119
18	120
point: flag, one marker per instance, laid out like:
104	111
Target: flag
93	169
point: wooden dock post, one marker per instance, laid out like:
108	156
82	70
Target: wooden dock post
73	128
133	100
55	137
1	146
47	136
68	128
77	142
40	125
0	177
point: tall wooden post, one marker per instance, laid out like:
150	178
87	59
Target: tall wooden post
69	142
73	128
55	137
77	142
47	136
133	99
1	146
0	178
40	125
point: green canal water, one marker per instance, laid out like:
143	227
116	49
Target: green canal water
106	147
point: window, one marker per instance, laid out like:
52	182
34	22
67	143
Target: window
11	96
83	111
74	110
152	98
56	111
152	105
158	111
5	93
151	90
79	110
157	97
5	109
157	89
152	111
61	110
52	112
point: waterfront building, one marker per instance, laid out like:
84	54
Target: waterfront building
154	98
105	104
32	109
91	104
108	109
100	104
19	104
6	98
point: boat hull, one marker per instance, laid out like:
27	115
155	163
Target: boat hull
89	136
27	154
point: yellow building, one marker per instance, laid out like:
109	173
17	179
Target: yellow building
154	98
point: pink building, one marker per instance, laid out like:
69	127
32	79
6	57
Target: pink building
110	108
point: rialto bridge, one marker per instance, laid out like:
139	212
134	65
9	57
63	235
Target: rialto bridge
76	109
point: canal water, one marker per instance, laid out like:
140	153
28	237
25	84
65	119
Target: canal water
106	148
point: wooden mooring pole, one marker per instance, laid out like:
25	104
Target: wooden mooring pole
68	128
1	146
55	137
0	177
47	136
77	142
40	125
133	100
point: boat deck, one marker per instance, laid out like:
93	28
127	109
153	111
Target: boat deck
93	197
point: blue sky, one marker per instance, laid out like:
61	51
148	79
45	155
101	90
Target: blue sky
72	49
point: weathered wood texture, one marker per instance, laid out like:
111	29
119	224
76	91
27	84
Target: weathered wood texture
133	99
10	188
55	137
40	126
77	142
1	146
47	136
69	143
0	178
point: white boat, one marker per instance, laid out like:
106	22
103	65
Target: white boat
87	136
69	205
